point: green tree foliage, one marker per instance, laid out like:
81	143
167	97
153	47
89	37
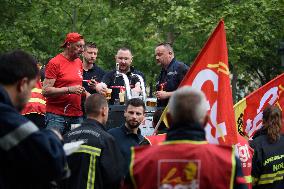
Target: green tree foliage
254	30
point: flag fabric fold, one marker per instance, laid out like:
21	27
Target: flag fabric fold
248	111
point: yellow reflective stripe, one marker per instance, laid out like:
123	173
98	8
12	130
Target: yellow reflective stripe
248	179
131	167
270	178
90	150
91	173
37	90
37	100
233	168
94	152
185	141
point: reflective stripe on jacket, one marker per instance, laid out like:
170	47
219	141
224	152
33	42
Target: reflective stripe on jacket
36	103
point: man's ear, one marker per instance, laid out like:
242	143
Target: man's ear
21	84
206	119
104	111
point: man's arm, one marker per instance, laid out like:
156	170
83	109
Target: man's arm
163	94
39	151
50	90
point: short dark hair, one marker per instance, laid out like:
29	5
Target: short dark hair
16	65
125	49
90	45
167	45
136	102
94	103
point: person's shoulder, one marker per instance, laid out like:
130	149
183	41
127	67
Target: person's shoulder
56	59
117	132
181	64
107	136
138	72
259	142
114	130
217	149
110	73
78	60
259	138
99	68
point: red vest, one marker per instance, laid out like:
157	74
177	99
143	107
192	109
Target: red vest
156	139
36	103
183	164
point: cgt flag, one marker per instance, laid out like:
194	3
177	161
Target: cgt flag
210	73
248	111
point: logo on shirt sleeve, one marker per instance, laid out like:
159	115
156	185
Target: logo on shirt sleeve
80	74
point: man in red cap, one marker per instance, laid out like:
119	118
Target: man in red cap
62	86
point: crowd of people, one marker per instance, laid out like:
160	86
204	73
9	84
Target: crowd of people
72	105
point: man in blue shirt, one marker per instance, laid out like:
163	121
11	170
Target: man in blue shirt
129	134
171	74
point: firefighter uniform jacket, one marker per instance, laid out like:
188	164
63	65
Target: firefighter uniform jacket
36	104
29	158
98	163
170	78
184	160
267	162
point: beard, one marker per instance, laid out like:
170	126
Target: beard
133	124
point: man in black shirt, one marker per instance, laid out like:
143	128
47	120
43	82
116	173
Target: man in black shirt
92	73
171	75
98	163
129	134
115	81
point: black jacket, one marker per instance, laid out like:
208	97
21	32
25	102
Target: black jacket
99	161
267	162
170	79
29	158
113	81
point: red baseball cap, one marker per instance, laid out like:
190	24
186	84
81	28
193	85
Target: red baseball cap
72	38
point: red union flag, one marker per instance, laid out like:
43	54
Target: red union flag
248	111
210	73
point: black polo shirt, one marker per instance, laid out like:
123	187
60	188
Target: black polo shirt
115	82
170	78
94	73
125	140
